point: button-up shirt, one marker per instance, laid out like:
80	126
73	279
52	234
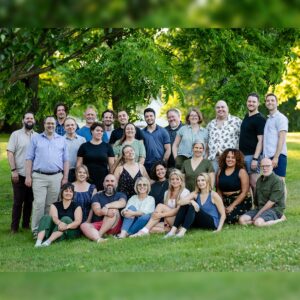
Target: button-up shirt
275	123
48	155
18	143
73	146
224	137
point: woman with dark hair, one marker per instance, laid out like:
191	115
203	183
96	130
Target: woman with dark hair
129	139
187	135
161	184
97	155
129	171
64	219
84	191
233	184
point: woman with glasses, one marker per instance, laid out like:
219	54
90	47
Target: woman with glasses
138	209
233	184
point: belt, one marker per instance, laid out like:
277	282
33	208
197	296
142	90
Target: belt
45	173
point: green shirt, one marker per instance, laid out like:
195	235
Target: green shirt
190	175
270	188
137	145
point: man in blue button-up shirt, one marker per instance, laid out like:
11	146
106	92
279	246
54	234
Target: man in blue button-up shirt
47	168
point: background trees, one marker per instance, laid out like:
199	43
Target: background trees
124	68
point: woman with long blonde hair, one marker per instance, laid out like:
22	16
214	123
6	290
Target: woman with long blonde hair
168	210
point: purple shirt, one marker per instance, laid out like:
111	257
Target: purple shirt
47	155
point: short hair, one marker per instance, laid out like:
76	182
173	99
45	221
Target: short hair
207	179
143	180
197	111
253	95
175	110
84	167
97	124
66	186
149	109
198	142
271	94
27	112
239	157
108	111
70	118
61	104
47	118
153	169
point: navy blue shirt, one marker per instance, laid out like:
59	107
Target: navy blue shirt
172	134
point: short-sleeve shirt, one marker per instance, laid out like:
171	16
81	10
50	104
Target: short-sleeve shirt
251	127
18	144
69	212
73	146
270	188
146	205
103	199
172	202
158	190
191	175
154	144
138	146
85	132
118	133
188	137
275	123
227	136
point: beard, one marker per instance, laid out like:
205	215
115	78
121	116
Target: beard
109	190
29	126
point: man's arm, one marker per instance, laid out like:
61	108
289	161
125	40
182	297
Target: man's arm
257	152
281	140
28	171
12	164
66	173
121	203
167	152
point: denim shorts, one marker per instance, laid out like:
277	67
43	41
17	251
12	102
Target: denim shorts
248	160
280	170
268	215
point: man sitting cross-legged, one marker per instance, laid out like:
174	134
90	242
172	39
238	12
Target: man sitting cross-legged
268	199
105	209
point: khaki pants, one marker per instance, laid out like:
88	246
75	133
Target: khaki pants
45	191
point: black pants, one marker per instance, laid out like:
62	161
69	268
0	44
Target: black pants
23	198
187	217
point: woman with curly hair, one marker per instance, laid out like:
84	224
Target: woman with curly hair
233	184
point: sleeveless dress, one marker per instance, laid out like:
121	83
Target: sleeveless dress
84	200
126	182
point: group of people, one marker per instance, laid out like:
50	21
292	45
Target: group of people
97	180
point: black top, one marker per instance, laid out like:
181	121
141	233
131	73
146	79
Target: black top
69	212
103	199
118	133
158	190
230	183
251	127
95	157
172	134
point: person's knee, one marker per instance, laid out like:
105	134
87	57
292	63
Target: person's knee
244	220
159	206
131	207
84	226
259	222
66	220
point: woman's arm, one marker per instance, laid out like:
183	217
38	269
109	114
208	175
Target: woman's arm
212	178
217	184
77	219
141	160
111	161
187	200
144	172
117	173
79	161
217	200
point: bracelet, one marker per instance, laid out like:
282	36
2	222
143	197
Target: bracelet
13	169
256	159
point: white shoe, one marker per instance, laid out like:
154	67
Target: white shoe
168	235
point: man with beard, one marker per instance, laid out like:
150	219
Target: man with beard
251	138
156	140
105	207
108	117
117	133
16	154
47	168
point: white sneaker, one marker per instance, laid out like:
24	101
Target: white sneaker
168	235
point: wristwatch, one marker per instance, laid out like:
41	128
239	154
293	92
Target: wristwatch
13	169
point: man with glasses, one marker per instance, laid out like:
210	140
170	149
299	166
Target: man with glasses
269	199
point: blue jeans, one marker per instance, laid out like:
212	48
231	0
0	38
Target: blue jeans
133	225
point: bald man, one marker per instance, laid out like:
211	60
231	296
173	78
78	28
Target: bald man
269	199
223	133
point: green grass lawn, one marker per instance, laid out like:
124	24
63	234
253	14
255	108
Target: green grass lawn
236	248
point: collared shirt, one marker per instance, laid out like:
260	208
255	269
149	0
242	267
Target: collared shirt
188	137
155	142
275	123
47	155
18	144
85	132
106	136
73	146
270	188
227	136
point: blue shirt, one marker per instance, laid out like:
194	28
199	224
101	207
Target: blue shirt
154	144
86	133
47	155
60	129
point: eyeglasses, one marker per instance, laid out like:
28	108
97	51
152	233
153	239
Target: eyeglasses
142	184
265	166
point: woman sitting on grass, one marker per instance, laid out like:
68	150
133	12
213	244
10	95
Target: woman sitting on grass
138	209
168	210
63	221
203	208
